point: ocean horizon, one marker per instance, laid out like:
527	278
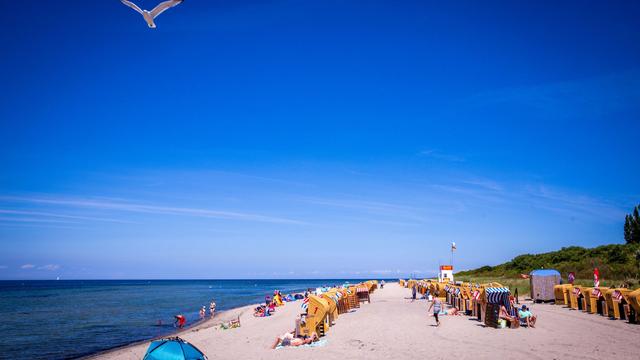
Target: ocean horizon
68	319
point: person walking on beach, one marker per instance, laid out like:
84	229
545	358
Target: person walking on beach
202	313
413	293
436	305
212	308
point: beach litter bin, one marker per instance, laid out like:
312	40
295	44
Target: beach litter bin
173	349
542	283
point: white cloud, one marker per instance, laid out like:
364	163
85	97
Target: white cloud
27	266
49	267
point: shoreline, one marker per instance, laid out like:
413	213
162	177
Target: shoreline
220	317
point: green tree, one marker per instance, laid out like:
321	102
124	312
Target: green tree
632	227
635	239
628	229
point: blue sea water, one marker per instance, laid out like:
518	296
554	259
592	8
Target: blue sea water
69	319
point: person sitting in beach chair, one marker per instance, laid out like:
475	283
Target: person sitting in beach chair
504	314
289	339
527	317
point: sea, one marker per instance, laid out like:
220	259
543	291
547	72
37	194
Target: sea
68	319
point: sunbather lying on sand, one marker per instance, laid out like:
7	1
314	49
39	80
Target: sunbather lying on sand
288	339
454	311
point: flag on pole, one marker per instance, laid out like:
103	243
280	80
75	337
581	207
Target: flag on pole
596	278
453	246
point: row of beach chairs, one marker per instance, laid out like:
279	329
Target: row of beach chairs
322	311
615	303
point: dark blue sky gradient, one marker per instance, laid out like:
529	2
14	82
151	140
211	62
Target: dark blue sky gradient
393	126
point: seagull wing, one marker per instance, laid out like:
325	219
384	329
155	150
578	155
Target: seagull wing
132	5
164	6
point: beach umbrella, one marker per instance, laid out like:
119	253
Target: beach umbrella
173	349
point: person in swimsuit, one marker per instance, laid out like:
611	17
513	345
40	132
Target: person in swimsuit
288	339
212	308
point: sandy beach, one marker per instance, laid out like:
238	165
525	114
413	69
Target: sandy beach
392	326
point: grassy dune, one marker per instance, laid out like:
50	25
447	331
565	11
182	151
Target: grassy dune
618	265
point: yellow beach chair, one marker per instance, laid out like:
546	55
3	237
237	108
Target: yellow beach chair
316	319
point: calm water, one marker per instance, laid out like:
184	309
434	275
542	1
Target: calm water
67	319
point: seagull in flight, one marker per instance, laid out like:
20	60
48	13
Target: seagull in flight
150	15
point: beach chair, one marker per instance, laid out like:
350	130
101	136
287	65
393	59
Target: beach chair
597	303
316	318
332	300
363	294
561	294
575	298
633	298
615	298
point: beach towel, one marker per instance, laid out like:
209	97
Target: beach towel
318	343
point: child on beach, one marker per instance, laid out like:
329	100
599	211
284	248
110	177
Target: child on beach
436	305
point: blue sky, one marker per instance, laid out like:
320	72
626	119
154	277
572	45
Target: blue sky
298	139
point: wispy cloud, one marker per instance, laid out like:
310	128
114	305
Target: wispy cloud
49	267
27	266
150	209
435	154
563	202
375	207
34	220
590	97
62	216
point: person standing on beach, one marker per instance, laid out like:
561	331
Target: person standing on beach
413	293
436	305
180	321
202	313
212	308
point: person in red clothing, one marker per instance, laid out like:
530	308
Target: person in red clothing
180	321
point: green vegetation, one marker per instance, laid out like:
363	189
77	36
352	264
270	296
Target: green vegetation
618	264
632	227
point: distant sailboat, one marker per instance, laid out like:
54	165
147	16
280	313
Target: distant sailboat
58	278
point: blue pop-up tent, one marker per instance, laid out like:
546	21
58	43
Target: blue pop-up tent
173	349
